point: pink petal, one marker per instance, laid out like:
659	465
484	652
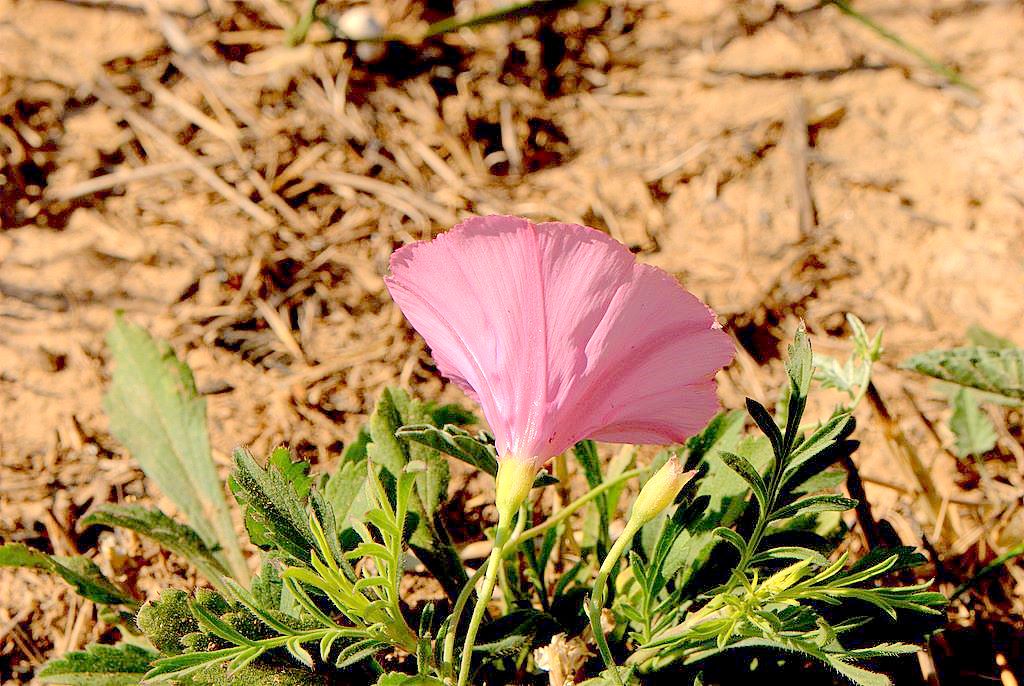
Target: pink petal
560	335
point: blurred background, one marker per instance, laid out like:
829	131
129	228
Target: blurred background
234	174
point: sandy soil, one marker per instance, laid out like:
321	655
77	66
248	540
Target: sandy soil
241	198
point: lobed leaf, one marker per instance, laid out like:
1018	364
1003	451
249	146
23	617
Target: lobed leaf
274	511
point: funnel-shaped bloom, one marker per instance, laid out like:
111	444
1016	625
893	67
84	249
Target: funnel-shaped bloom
560	335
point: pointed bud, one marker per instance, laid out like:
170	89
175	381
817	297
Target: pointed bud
659	492
512	485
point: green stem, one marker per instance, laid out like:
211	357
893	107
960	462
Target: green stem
448	651
600	586
490	577
949	74
297	34
453	624
576	505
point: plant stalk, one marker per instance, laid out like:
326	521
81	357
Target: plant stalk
491	576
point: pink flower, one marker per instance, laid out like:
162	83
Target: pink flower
560	335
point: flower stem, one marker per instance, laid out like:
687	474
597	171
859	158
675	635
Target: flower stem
460	605
576	505
467	590
600	586
491	576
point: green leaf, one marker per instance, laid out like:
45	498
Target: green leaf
346	491
256	674
274	512
156	411
81	572
983	338
156	525
814	504
800	365
399	679
725	492
789	553
394	410
830	373
585	453
975	433
857	675
768	427
732	538
822	481
475	451
430	540
825	436
743	468
451	440
99	665
999	371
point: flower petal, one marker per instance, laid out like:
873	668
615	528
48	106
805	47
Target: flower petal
560	335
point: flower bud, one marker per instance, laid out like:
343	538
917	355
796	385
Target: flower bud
512	485
659	492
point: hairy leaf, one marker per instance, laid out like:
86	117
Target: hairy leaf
399	679
975	433
81	572
154	524
430	540
983	338
166	620
274	503
99	665
999	371
725	492
394	410
156	411
814	504
460	444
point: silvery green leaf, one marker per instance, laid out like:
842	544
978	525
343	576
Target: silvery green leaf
983	338
999	371
157	413
800	364
274	503
345	488
975	433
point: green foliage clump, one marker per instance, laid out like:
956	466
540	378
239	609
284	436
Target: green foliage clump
744	560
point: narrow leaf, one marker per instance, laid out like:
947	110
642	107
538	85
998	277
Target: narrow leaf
743	468
813	504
